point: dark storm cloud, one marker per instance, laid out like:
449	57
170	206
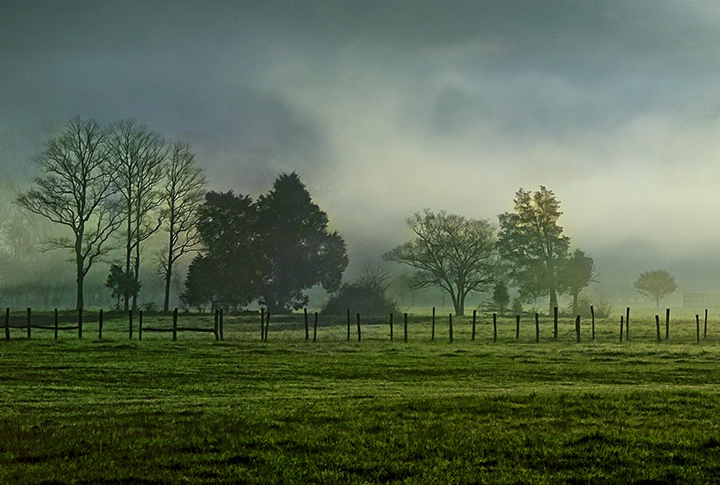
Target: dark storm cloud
387	107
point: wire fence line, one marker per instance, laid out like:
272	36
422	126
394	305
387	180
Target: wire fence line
314	327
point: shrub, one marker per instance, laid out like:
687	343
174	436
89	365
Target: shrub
599	302
365	298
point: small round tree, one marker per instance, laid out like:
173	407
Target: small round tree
656	284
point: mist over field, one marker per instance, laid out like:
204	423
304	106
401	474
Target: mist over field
385	108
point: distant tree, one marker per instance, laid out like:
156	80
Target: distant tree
449	252
501	297
138	156
298	250
183	193
367	295
75	191
121	283
20	234
374	274
227	268
656	284
578	273
533	245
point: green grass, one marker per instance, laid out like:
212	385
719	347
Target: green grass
290	411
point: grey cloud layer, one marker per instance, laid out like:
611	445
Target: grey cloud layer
399	104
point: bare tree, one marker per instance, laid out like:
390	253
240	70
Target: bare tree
450	252
75	191
183	193
138	155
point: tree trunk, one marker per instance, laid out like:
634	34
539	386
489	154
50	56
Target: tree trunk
575	302
128	252
458	304
80	262
137	273
168	277
168	269
553	300
459	309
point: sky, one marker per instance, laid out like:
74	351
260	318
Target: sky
386	108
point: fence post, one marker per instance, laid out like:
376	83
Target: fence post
592	316
80	322
627	323
432	337
705	328
657	327
174	328
622	321
577	329
405	327
697	325
130	320
450	327
517	327
667	323
57	323
216	325
100	324
315	327
348	324
391	327
262	323
7	323
555	323
267	323
473	324
29	326
358	328
494	327
537	328
307	327
222	324
140	322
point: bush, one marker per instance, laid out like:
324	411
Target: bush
599	302
364	298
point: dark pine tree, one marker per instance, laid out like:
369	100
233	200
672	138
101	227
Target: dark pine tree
298	250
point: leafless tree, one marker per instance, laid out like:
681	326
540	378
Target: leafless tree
138	155
450	252
183	192
75	191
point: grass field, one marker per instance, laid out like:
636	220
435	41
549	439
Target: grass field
291	411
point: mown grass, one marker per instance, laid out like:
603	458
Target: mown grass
290	411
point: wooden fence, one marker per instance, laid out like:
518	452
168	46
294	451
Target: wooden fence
28	325
590	326
74	321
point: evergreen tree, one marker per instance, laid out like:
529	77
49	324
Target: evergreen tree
298	250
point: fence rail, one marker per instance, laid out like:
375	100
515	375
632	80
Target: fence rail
28	325
351	326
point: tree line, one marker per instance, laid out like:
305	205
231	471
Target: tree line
114	187
117	185
527	250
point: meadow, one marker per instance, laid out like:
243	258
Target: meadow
335	411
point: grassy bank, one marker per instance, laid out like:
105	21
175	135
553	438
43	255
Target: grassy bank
289	411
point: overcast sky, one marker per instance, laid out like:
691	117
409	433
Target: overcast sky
385	108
